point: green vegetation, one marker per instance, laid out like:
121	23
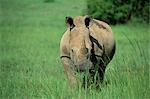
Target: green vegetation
30	31
119	11
48	0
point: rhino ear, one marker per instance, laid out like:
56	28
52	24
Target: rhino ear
69	22
87	21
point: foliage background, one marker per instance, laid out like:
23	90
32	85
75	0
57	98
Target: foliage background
119	11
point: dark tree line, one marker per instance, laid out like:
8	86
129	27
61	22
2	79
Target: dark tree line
118	11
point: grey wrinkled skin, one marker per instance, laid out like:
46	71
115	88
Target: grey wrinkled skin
87	45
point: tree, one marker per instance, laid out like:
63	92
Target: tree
118	11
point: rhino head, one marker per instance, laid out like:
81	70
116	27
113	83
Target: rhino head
80	44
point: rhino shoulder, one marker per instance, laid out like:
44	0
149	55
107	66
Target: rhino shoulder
103	33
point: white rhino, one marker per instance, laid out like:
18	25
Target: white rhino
87	45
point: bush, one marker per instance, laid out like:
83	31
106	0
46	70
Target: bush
145	13
48	1
118	11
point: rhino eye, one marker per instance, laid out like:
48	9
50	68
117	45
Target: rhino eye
86	50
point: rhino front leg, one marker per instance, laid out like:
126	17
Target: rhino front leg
69	71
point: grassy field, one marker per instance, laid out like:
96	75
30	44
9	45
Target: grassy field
30	68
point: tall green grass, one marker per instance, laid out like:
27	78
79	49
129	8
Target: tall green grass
30	67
